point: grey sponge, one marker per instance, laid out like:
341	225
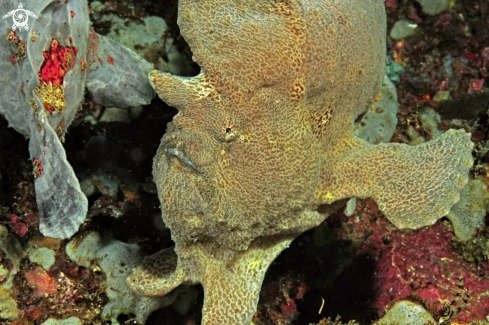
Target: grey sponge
62	205
120	77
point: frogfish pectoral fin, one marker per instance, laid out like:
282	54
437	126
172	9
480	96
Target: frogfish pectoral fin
413	186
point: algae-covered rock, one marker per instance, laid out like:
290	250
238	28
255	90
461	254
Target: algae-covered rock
11	251
406	313
434	7
379	123
116	260
148	38
431	119
403	28
8	306
68	321
468	214
394	71
42	256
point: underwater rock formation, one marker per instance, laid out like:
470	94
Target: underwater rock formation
264	147
116	259
10	250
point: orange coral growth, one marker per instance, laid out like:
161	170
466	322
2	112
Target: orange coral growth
42	283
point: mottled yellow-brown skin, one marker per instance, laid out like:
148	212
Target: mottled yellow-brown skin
264	136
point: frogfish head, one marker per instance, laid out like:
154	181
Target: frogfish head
230	165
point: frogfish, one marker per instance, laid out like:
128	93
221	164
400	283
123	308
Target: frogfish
263	147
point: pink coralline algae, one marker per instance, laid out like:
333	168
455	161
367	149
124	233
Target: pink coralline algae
20	228
420	265
57	60
42	283
476	85
278	301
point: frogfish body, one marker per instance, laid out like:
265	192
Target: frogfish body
265	136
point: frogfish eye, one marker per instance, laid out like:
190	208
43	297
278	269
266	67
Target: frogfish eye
228	131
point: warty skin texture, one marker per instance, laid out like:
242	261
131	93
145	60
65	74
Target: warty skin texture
264	136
